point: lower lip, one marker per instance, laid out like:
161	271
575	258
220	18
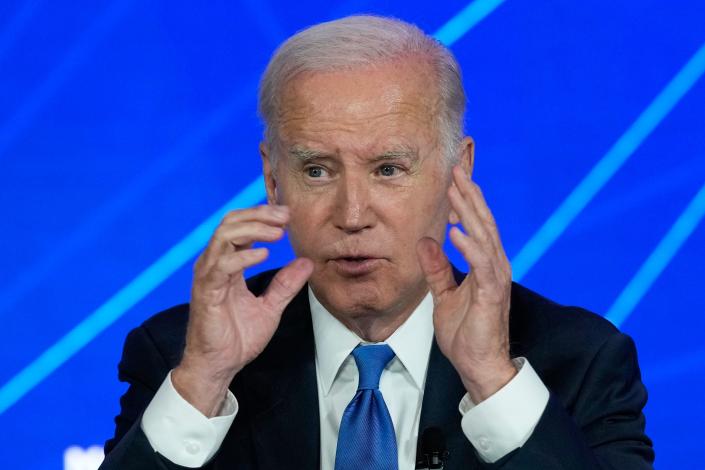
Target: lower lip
356	268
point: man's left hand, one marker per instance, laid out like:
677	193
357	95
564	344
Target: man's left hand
471	320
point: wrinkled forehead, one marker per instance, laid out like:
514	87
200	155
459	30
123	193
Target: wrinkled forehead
392	104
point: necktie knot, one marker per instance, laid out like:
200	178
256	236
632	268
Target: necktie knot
371	361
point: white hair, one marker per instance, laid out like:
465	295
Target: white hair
359	41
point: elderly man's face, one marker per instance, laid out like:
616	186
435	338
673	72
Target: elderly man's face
360	167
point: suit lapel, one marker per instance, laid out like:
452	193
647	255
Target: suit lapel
285	424
442	395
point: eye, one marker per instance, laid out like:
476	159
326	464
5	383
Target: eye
315	171
388	170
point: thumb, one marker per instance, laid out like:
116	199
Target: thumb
287	283
435	266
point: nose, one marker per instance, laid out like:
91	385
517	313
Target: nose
352	206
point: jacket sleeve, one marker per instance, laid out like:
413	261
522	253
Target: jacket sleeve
604	427
143	368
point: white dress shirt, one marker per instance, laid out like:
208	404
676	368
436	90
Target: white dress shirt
495	427
401	383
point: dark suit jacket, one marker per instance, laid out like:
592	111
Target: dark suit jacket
593	419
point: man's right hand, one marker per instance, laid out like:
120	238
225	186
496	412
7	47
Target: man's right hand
228	326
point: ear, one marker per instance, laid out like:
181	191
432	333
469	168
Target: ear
467	157
270	181
467	163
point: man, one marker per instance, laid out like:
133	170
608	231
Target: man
343	358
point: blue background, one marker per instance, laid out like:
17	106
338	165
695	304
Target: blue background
126	125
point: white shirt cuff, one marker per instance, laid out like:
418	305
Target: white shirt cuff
506	420
180	432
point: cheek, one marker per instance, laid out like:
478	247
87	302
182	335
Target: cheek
426	210
440	207
307	221
416	215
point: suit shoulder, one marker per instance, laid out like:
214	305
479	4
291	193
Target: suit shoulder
534	315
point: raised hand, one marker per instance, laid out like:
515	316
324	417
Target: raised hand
471	320
229	326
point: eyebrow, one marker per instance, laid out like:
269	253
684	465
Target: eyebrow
304	154
399	154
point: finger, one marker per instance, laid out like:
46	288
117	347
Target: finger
453	218
479	260
239	236
493	284
435	266
228	265
245	233
272	214
287	283
471	222
472	192
486	214
481	203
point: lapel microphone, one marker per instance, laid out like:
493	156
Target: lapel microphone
433	453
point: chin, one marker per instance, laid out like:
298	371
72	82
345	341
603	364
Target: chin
351	297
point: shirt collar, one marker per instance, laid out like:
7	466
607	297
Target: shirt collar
411	342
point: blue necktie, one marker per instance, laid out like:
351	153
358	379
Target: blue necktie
366	440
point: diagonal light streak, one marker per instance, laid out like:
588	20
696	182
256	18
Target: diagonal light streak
465	20
120	201
137	289
123	300
609	164
87	42
662	255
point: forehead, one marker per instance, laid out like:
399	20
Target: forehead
393	104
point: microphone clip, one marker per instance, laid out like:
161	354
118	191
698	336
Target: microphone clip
432	461
433	453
